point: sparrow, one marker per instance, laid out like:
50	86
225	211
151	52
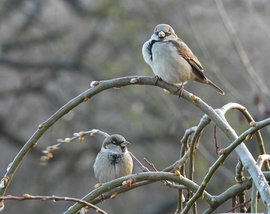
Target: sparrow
113	160
172	60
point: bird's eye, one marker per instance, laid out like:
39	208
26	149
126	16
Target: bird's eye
168	33
117	143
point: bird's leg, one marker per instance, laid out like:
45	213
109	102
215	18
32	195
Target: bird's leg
157	79
180	90
102	198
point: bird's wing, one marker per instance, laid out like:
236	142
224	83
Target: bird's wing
187	54
147	51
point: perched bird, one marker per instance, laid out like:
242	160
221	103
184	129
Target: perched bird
172	60
113	160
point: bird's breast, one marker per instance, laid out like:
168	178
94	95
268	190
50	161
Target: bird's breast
110	165
115	158
169	64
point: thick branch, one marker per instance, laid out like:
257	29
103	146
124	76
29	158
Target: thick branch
42	128
136	178
98	87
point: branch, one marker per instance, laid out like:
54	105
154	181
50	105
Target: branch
251	121
47	153
83	97
52	198
231	192
241	150
136	178
254	193
216	116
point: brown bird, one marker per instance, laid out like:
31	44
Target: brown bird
113	160
172	60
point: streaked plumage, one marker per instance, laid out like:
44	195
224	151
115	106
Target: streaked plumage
172	60
113	160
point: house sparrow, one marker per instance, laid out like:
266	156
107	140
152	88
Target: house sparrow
172	60
113	160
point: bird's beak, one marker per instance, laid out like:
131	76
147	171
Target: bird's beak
161	34
125	143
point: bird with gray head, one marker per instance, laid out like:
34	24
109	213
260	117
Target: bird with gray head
172	60
113	160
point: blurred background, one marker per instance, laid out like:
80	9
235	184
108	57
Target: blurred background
50	51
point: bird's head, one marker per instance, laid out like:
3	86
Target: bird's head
164	32
116	143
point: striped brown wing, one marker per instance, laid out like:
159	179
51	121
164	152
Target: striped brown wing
187	54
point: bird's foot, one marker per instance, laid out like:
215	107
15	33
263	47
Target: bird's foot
158	78
180	90
102	198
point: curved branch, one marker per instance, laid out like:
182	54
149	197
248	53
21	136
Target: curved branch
231	192
136	178
216	116
52	198
241	150
250	119
42	128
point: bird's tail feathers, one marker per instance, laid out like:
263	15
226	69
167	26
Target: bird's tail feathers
218	89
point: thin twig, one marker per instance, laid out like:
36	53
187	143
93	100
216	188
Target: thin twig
215	137
136	160
239	205
150	164
47	153
52	198
166	183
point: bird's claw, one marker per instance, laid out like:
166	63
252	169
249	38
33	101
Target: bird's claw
158	78
180	91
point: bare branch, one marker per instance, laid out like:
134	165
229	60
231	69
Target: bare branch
217	116
136	178
52	198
